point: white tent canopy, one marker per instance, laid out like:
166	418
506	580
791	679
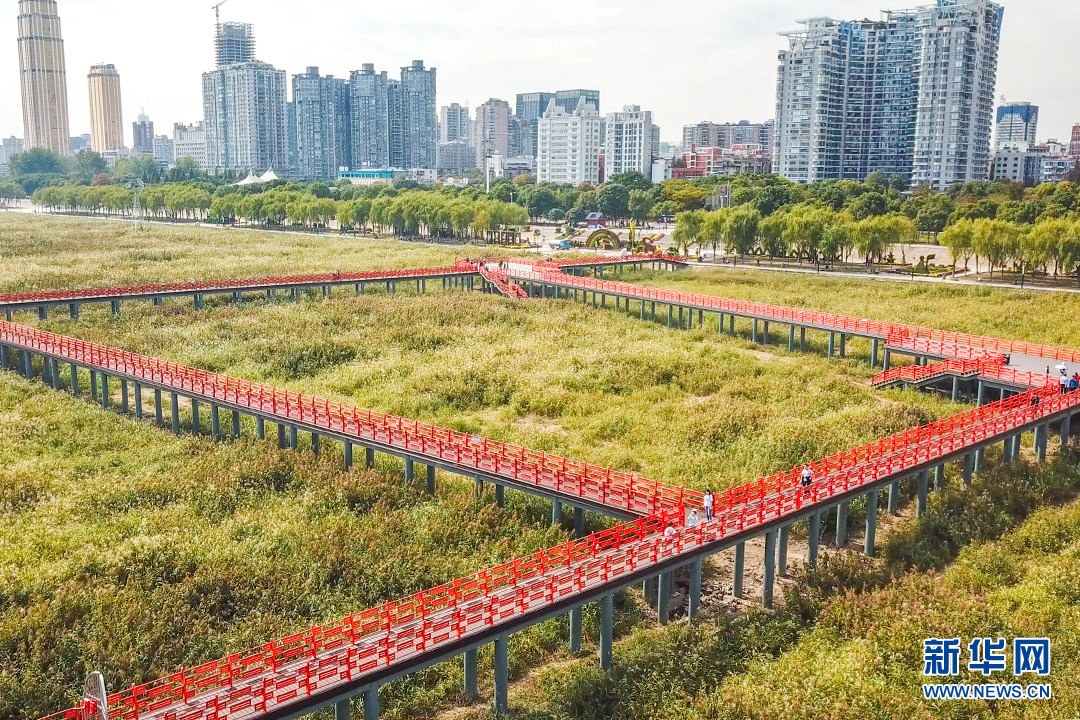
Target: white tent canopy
267	176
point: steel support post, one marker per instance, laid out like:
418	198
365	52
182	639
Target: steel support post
556	512
502	674
886	362
923	489
791	338
843	346
236	424
346	451
1041	433
939	477
770	567
720	323
1066	423
409	470
316	444
813	539
105	391
1006	450
115	307
980	459
371	704
500	495
1017	438
874	347
969	467
982	394
5	361
697	568
841	523
43	312
781	550
471	662
282	438
195	427
802	339
607	629
575	629
832	344
138	402
93	386
369	458
955	389
73	310
871	522
754	331
75	380
670	316
737	573
663	597
260	428
765	327
579	522
215	421
175	410
294	441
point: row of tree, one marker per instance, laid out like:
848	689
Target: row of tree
809	232
1052	245
173	201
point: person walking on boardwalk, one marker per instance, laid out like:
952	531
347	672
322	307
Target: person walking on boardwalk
708	501
807	477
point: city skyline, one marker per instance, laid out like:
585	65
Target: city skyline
738	64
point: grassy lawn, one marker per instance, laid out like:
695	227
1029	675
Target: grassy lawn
127	550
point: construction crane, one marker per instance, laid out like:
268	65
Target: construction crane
217	12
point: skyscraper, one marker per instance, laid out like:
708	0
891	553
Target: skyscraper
234	43
142	135
910	95
369	119
454	123
491	130
244	104
106	113
1017	122
568	144
569	98
190	141
628	142
43	76
322	125
419	116
530	108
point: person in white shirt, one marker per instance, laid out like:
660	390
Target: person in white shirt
694	519
807	476
670	532
707	502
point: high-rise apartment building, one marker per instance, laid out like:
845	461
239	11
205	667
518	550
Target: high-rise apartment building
163	150
568	144
323	144
244	107
395	124
1017	122
491	130
629	142
454	123
234	43
142	135
570	98
727	135
12	146
529	109
368	101
1074	143
80	143
909	95
190	141
419	117
106	112
43	76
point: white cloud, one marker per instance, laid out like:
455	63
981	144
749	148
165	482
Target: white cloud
687	60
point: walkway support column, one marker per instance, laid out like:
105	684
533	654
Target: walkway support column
791	338
924	486
607	629
371	704
472	690
841	524
502	674
871	523
556	512
696	571
579	522
781	550
813	539
737	573
969	467
431	479
663	597
575	629
832	344
770	567
1066	429
175	409
874	352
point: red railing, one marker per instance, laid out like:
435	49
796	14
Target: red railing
918	373
500	280
232	284
627	491
323	657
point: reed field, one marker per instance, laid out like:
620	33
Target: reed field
125	549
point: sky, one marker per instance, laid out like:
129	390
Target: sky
685	60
